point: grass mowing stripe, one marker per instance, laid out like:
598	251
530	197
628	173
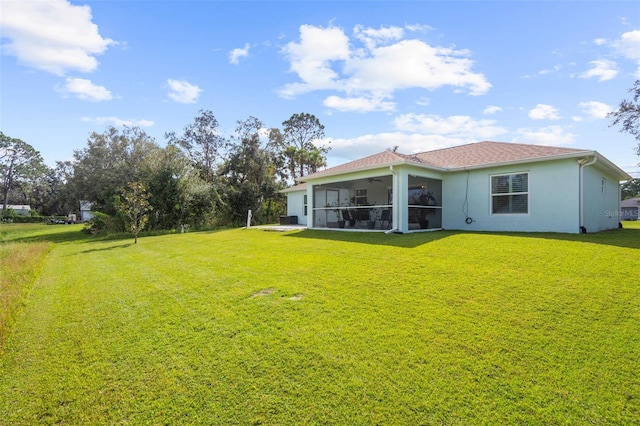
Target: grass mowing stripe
20	265
433	328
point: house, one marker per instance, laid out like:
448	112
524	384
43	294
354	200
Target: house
484	186
85	211
630	209
18	209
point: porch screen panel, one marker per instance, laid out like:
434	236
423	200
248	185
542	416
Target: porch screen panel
510	194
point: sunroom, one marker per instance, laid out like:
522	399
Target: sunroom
374	201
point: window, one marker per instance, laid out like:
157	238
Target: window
510	194
361	197
304	204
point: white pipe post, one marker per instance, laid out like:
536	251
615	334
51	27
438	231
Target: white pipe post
249	219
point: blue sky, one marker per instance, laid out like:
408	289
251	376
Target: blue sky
420	74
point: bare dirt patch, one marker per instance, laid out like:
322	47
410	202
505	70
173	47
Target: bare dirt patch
264	292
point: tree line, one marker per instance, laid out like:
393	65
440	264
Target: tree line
200	178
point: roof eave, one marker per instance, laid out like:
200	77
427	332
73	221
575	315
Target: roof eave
323	175
294	188
571	155
621	174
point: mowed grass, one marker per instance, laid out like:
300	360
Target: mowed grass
19	267
312	327
20	264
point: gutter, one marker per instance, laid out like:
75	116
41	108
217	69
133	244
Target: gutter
583	162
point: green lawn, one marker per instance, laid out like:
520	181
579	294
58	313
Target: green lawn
320	327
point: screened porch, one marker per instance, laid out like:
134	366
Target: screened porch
368	204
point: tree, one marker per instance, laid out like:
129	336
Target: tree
297	144
163	172
628	114
250	172
110	160
36	191
202	143
133	203
20	166
630	189
62	198
178	194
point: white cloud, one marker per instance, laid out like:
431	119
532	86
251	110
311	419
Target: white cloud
550	135
55	35
417	133
628	45
373	37
544	112
118	122
457	126
595	109
358	104
554	69
413	64
408	143
326	59
491	109
602	69
600	41
418	27
182	91
551	70
236	54
311	58
84	89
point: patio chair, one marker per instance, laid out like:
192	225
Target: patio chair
347	216
385	217
362	215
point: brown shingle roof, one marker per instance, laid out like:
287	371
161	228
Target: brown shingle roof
298	187
470	155
376	160
484	153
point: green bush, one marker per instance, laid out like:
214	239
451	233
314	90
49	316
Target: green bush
10	216
102	223
27	219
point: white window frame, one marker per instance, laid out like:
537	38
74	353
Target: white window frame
361	200
492	195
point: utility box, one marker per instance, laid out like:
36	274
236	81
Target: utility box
288	220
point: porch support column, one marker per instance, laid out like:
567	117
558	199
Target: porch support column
395	214
401	200
310	206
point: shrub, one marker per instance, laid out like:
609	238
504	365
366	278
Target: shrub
27	219
102	223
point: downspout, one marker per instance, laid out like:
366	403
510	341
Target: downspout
583	162
395	206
